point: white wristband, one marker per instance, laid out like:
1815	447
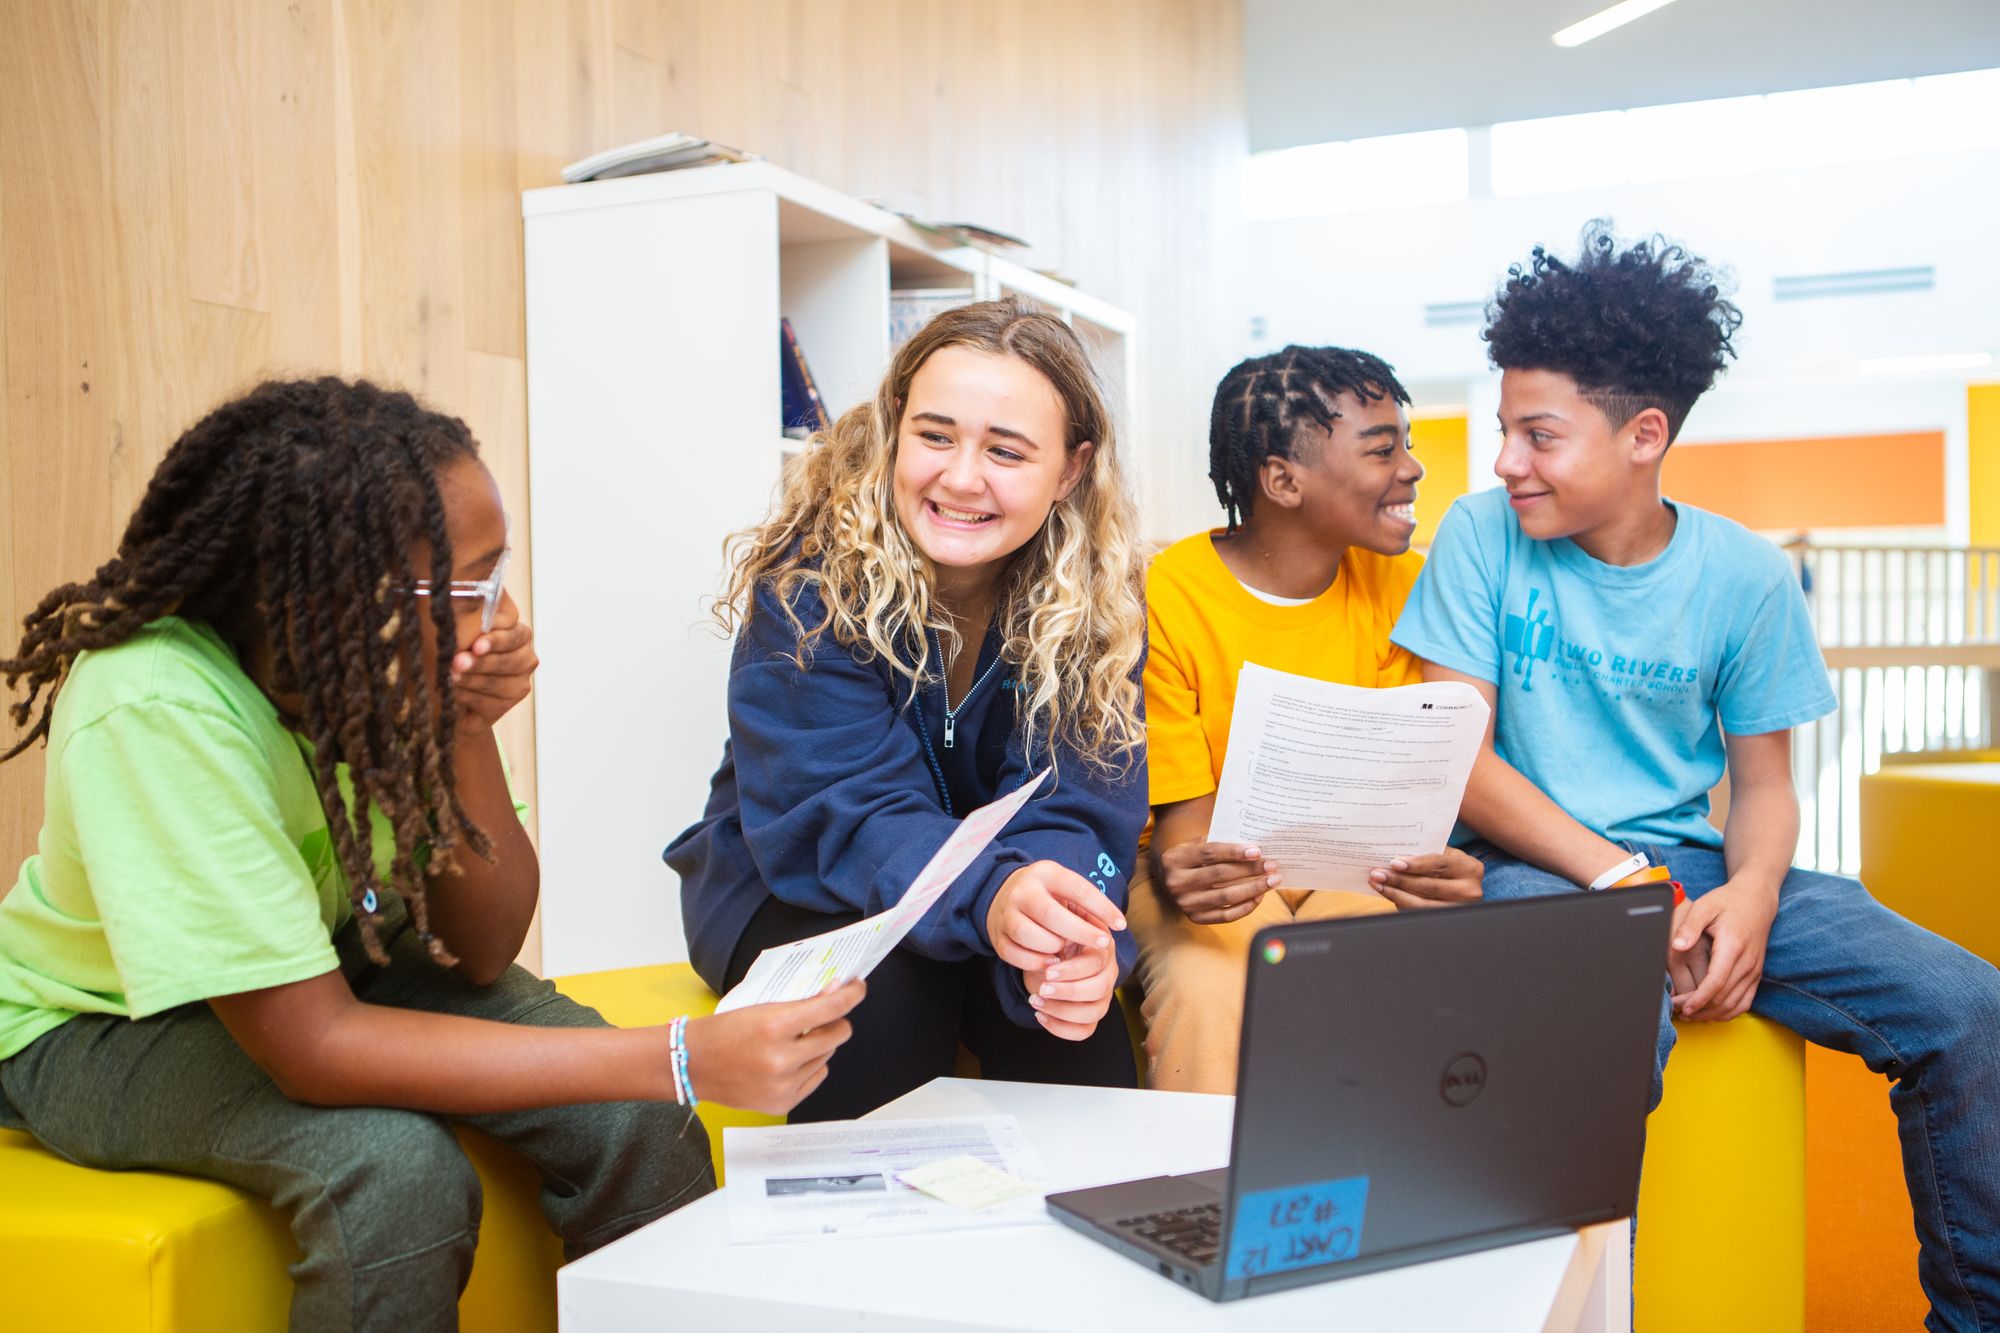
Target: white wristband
1630	865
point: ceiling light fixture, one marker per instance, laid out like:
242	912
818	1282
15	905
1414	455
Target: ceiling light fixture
1892	365
1617	16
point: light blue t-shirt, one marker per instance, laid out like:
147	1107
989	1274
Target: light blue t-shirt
1617	683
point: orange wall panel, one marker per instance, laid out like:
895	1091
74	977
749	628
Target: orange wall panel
1846	481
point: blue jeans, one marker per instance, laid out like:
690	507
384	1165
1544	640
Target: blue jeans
1844	971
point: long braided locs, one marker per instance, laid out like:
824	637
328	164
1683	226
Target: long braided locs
286	519
1261	404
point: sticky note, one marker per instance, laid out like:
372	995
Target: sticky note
965	1182
1299	1226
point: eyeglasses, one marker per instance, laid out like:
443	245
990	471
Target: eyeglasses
487	590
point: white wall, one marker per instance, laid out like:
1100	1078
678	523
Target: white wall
1363	279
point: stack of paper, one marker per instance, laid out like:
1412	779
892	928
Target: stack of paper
663	152
854	1178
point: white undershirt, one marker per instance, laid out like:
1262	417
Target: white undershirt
1276	600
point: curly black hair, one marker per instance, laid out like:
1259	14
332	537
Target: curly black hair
1263	402
1638	327
285	519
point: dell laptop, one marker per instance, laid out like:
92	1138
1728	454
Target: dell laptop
1416	1085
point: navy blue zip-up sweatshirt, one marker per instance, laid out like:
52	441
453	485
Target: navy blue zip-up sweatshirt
835	788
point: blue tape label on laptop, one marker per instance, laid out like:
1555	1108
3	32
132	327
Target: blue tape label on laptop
1299	1226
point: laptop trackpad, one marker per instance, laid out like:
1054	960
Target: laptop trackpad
1155	1194
1215	1182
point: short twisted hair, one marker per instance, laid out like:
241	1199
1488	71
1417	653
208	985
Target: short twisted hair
1262	404
286	518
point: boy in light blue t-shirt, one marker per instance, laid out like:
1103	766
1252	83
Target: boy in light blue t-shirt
1632	650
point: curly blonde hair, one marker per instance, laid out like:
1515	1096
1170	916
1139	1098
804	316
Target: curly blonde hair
1072	611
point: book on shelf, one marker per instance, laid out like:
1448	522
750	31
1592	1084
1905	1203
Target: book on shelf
804	410
910	308
662	152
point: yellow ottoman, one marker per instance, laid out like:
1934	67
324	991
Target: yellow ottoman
89	1251
1722	1205
1913	815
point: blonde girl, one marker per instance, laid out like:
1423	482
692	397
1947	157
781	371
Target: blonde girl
945	600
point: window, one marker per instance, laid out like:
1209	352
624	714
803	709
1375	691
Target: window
1955	112
1357	175
1732	136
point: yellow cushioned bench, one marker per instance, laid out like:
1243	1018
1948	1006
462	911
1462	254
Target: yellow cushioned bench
91	1251
1913	817
1722	1205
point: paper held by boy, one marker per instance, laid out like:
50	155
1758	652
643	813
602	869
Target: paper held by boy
804	968
1332	781
854	1178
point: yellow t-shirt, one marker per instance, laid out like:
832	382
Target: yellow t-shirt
1205	625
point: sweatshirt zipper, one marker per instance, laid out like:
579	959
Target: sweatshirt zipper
944	688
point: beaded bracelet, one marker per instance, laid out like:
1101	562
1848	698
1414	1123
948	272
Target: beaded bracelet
678	1059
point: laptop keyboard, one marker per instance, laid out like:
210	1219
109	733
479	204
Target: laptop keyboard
1193	1233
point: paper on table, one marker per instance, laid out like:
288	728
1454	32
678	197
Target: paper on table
966	1182
1331	781
799	1182
804	968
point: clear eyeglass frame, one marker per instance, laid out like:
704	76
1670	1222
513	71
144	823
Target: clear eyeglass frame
487	590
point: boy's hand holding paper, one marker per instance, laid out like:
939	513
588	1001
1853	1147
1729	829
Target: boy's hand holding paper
1435	880
1216	882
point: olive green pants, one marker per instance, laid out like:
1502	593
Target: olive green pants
383	1203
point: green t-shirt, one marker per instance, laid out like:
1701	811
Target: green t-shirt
184	853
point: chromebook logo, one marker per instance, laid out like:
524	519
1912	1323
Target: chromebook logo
1274	952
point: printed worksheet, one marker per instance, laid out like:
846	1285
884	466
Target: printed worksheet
804	968
844	1178
1331	781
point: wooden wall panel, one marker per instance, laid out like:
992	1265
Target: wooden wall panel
196	194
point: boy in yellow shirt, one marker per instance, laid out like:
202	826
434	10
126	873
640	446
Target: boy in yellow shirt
1309	450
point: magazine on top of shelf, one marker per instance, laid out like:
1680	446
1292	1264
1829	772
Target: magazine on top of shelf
662	152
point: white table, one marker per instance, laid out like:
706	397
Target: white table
681	1272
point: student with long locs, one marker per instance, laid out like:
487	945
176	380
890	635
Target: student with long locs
1634	649
945	600
268	934
1309	450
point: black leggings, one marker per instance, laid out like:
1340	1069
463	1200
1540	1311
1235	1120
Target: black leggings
918	1010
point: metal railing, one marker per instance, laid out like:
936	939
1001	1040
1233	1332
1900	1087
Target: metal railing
1911	636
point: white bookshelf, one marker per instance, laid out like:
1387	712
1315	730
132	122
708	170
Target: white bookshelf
653	424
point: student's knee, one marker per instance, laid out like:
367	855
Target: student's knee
1193	1011
1193	974
653	1155
398	1187
1962	994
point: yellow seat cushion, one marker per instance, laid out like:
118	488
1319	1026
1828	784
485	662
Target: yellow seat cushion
84	1250
1722	1205
1910	814
90	1251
